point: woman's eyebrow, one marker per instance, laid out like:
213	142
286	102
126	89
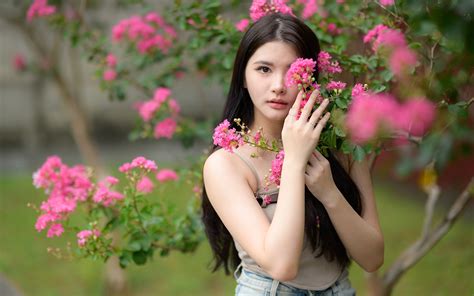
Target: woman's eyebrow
268	63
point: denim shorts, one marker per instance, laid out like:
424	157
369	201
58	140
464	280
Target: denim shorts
250	283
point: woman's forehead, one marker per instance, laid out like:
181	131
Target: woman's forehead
274	53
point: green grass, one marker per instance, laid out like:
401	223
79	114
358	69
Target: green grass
446	270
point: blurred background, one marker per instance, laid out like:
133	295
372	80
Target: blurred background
35	123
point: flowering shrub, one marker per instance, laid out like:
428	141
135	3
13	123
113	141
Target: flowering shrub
144	225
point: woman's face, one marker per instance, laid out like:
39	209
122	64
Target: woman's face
265	80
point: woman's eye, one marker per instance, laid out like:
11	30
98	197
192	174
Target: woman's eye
264	69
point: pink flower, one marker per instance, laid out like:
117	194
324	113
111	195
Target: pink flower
143	163
332	85
401	60
387	2
174	107
227	138
165	128
416	116
104	195
161	94
257	137
148	109
39	8
145	33
179	74
277	165
242	25
267	199
326	65
166	175
373	33
333	29
260	8
84	235
19	63
111	60
300	72
391	39
111	180
110	75
145	185
357	90
310	8
368	113
153	17
65	187
55	230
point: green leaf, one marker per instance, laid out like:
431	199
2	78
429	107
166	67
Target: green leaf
139	257
359	153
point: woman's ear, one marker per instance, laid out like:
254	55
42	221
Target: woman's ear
245	84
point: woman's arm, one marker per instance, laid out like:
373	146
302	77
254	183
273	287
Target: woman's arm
276	247
361	235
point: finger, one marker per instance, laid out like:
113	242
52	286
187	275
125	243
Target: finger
309	106
296	105
312	159
322	123
321	158
316	116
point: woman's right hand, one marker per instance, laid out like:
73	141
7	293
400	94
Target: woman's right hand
301	136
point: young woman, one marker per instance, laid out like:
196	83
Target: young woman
322	215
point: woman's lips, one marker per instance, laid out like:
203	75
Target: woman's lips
277	105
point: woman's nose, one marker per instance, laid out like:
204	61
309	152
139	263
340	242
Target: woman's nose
278	86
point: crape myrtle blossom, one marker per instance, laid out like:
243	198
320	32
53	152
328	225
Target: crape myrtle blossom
326	65
260	8
300	73
144	32
139	162
335	85
149	109
226	137
371	113
242	25
165	128
166	175
39	8
145	185
19	62
387	2
400	57
277	165
85	235
65	187
104	195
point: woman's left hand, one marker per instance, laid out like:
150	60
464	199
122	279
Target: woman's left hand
318	177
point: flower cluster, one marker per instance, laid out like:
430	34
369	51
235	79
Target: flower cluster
300	73
143	30
85	235
386	40
149	110
39	8
326	64
277	165
371	113
66	187
226	137
260	8
242	25
110	73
